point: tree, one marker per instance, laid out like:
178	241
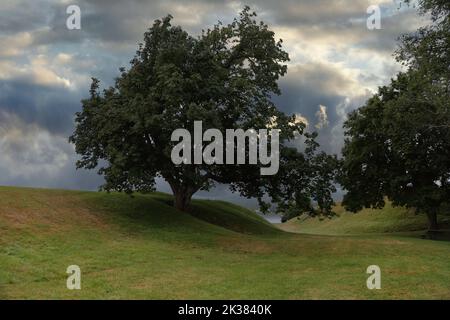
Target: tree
316	176
224	78
398	144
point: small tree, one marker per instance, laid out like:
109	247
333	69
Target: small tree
398	144
224	78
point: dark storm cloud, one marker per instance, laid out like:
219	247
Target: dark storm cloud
18	16
50	108
385	39
306	88
125	21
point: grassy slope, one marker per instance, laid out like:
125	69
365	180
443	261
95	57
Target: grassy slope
142	248
387	220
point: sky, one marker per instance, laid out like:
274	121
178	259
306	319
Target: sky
336	64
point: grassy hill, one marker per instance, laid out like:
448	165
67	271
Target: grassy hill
141	247
387	220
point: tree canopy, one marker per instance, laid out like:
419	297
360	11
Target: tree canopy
225	78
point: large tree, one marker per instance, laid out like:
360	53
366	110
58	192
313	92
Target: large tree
398	144
225	78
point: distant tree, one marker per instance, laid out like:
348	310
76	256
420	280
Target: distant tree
398	144
225	78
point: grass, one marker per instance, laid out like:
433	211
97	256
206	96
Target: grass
368	221
142	248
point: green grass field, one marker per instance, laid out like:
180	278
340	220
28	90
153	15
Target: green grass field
367	221
141	247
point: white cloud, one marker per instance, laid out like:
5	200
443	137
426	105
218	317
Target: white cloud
300	119
322	117
14	45
27	150
39	70
63	58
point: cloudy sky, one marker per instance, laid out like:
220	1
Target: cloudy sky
45	69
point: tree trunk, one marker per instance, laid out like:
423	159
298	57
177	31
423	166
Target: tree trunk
182	200
181	195
432	220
